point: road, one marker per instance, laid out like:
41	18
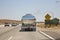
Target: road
4	29
15	34
52	33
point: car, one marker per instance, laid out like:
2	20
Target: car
14	24
6	24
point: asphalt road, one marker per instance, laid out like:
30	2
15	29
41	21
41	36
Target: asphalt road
4	29
15	34
52	33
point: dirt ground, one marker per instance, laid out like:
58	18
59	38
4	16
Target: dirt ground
52	27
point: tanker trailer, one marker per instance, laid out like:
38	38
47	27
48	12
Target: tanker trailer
28	23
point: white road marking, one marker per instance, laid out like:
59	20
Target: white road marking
10	38
46	35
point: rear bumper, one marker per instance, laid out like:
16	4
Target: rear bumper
25	28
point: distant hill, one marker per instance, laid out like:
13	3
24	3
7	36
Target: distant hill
2	21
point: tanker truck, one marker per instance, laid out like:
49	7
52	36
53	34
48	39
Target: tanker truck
28	23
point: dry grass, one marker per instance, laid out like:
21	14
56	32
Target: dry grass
2	21
53	27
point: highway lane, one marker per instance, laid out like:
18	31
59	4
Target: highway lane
6	34
15	34
4	29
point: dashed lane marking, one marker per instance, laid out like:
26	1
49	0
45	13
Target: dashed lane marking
10	38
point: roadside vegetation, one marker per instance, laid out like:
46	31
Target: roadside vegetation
50	23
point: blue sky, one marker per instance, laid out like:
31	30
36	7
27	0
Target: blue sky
15	9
